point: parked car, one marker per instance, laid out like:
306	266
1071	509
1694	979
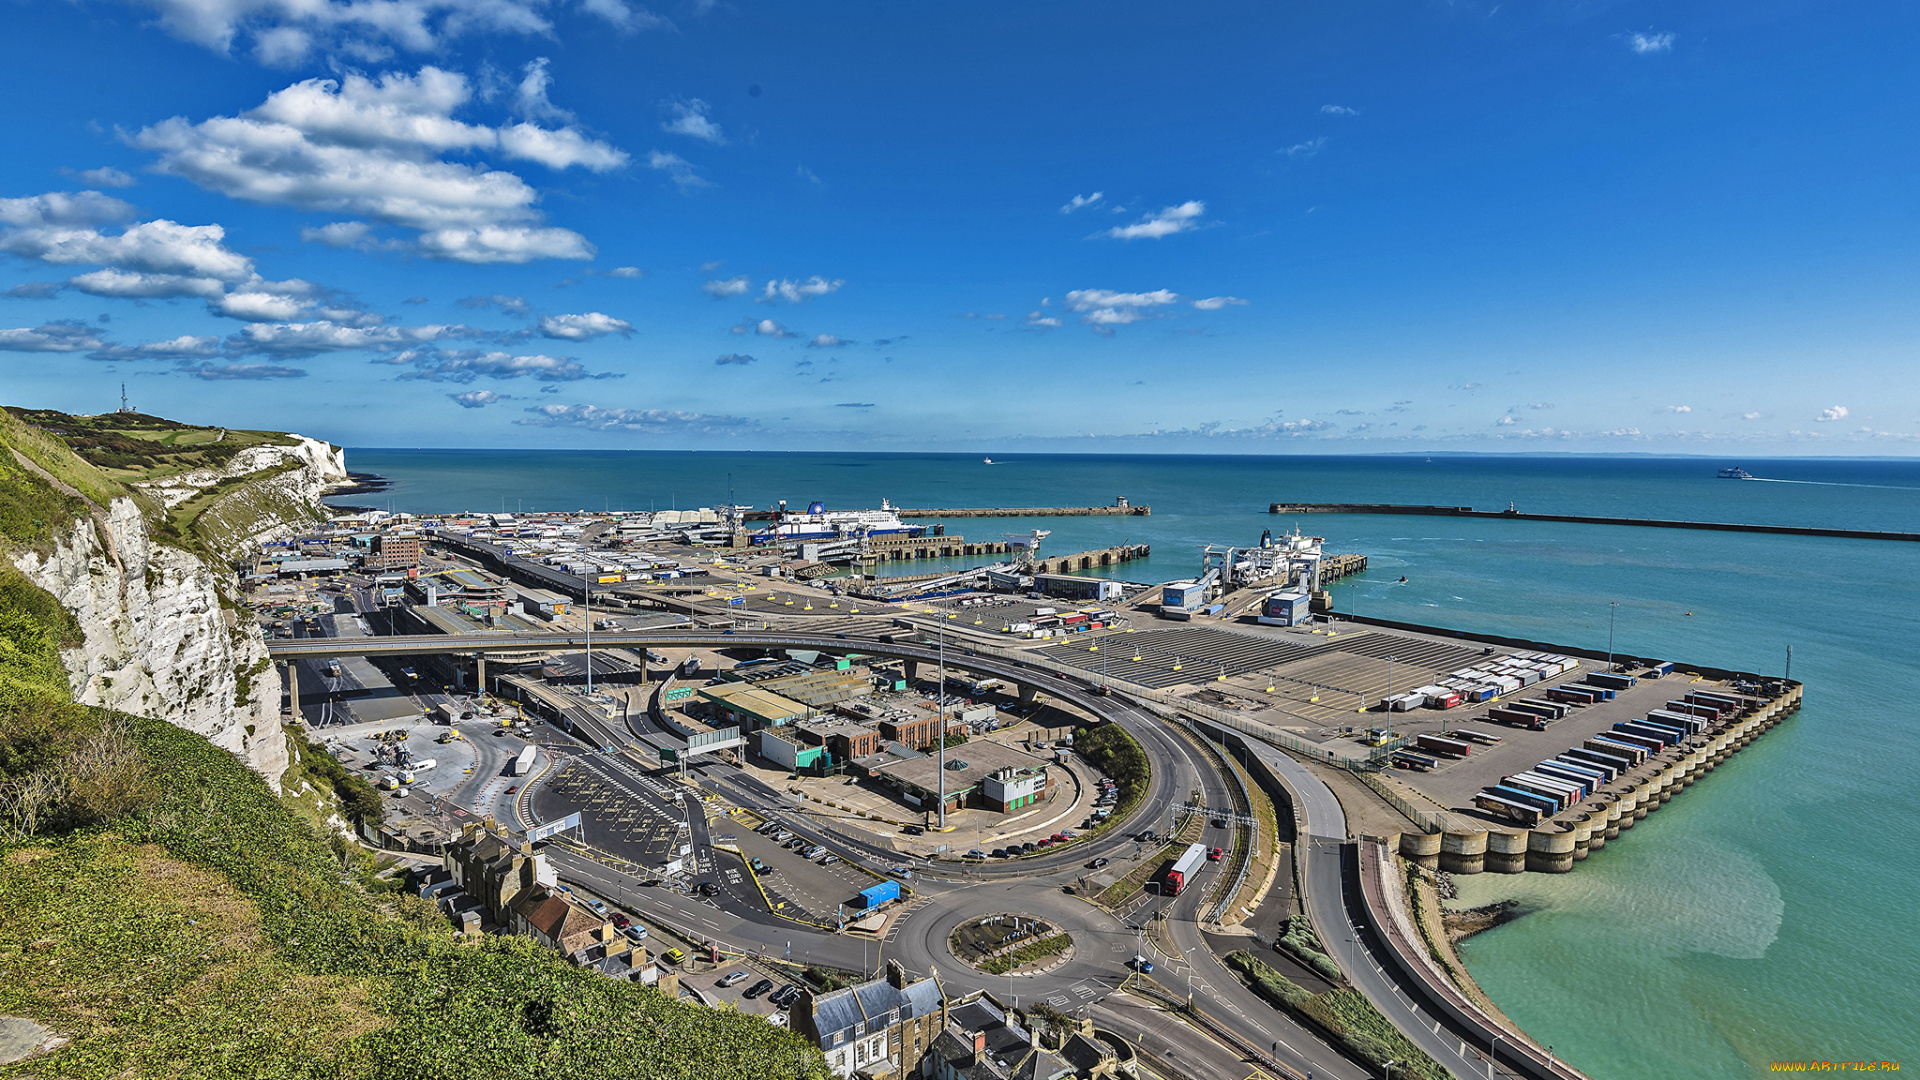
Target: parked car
829	860
674	956
758	988
708	888
732	978
635	933
758	866
785	996
912	830
1097	863
620	921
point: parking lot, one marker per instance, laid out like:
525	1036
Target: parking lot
805	888
626	813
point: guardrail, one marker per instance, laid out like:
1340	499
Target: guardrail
1152	992
1427	821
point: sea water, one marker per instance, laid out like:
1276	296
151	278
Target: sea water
1771	912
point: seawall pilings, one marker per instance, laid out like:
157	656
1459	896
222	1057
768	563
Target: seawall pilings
1465	845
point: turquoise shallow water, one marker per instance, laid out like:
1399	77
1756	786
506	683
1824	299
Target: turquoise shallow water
1769	913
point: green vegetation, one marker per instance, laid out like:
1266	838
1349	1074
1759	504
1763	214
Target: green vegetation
1030	953
1117	755
1344	1014
1299	939
358	800
1420	921
955	738
142	446
162	909
826	979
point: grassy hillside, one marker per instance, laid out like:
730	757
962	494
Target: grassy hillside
135	446
164	911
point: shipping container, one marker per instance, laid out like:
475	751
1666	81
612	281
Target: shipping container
1606	773
1552	710
1184	867
1611	680
1692	725
874	895
1443	698
1604	744
1512	809
1664	667
1651	743
1440	744
1726	702
1518	718
1570	696
1403	702
1407	759
1527	798
1668	736
1616	762
1480	737
1588	780
1691	708
1562	794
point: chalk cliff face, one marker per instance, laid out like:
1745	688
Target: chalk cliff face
164	637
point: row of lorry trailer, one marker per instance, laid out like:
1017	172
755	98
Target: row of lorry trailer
1484	681
1559	783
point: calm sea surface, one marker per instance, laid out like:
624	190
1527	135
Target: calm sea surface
1770	913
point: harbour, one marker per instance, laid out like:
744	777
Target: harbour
1511	514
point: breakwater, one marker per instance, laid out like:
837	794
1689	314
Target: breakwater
1118	510
1461	845
1511	514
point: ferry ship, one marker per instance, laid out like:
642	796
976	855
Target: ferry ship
1735	473
819	523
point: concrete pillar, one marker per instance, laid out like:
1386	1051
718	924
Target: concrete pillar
293	689
1422	848
1463	853
1506	852
1549	852
479	673
912	668
1026	692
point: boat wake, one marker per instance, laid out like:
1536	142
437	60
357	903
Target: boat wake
1831	483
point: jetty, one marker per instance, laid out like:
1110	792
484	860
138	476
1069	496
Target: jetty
1511	514
1121	509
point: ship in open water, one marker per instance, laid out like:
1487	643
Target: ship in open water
1735	472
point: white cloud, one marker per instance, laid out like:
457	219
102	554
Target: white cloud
1838	412
59	208
1539	404
107	176
639	421
339	234
478	399
372	149
287	31
690	119
1163	222
124	284
1339	110
159	247
323	336
734	286
1306	149
769	328
59	336
625	272
511	305
185	347
1678	409
230	372
1104	308
795	292
1750	416
1507	421
1079	202
260	306
530	97
1046	322
625	17
585	327
1215	303
678	169
827	341
464	366
1650	42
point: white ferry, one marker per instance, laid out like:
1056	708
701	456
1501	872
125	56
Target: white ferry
819	523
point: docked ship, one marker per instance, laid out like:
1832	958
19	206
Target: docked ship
1735	473
819	523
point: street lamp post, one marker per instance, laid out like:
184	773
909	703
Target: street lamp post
586	595
1492	1049
940	710
1390	1066
1613	609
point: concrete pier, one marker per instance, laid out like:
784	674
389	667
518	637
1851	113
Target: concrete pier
1571	836
1121	509
1580	519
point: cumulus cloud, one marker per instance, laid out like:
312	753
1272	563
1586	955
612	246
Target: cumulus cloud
339	234
180	348
372	149
1164	222
1650	42
107	176
59	208
464	366
289	31
127	285
795	292
827	341
159	247
1539	404
34	290
678	169
1750	416
763	328
58	336
512	305
1042	322
530	97
1339	110
1104	308
299	339
625	272
690	119
1215	303
585	327
1678	409
1081	202
733	286
740	359
1838	412
1507	420
478	399
638	421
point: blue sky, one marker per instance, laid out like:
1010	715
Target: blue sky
1634	227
